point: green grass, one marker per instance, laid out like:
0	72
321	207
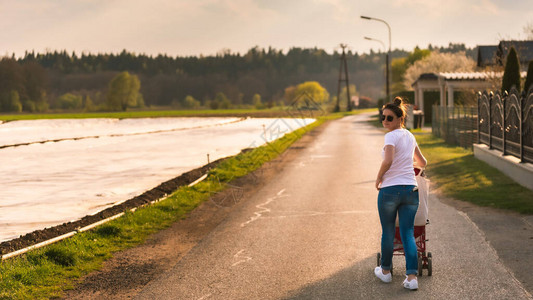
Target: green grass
44	273
140	114
457	174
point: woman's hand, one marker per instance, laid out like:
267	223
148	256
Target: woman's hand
385	164
378	182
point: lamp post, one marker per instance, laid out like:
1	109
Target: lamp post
388	53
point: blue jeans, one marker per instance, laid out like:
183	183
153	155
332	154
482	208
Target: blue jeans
401	199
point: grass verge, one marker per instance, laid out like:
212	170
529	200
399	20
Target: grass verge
457	174
44	273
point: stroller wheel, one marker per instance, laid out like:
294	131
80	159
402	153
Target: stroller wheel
430	267
420	265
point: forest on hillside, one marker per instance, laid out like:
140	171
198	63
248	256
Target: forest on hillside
61	80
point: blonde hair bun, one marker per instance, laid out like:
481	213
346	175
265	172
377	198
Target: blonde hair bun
398	101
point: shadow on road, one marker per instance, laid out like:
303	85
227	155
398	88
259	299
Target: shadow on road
358	282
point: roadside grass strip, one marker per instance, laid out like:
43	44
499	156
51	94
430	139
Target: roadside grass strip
45	272
459	175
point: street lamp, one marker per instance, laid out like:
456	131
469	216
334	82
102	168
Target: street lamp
388	53
379	41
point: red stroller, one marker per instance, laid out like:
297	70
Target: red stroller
421	220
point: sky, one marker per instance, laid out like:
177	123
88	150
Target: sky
208	27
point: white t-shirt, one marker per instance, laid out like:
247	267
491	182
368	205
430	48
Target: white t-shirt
401	171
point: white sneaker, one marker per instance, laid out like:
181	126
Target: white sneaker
384	277
412	285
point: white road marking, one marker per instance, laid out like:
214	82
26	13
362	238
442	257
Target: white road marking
321	156
306	161
243	258
263	210
205	297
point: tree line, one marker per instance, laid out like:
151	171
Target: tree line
61	80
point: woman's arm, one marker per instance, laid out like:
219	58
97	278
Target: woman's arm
420	160
385	164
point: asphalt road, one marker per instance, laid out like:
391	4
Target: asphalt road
313	233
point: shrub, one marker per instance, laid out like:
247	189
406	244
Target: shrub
511	75
69	101
28	106
256	100
10	102
190	102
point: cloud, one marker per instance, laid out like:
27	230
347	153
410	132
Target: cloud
512	5
184	27
447	9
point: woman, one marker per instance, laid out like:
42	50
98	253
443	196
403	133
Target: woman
398	192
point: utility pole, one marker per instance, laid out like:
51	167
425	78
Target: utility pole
344	65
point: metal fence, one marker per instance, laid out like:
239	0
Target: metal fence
503	122
506	123
456	125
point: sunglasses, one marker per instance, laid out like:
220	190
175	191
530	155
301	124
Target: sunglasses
389	118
